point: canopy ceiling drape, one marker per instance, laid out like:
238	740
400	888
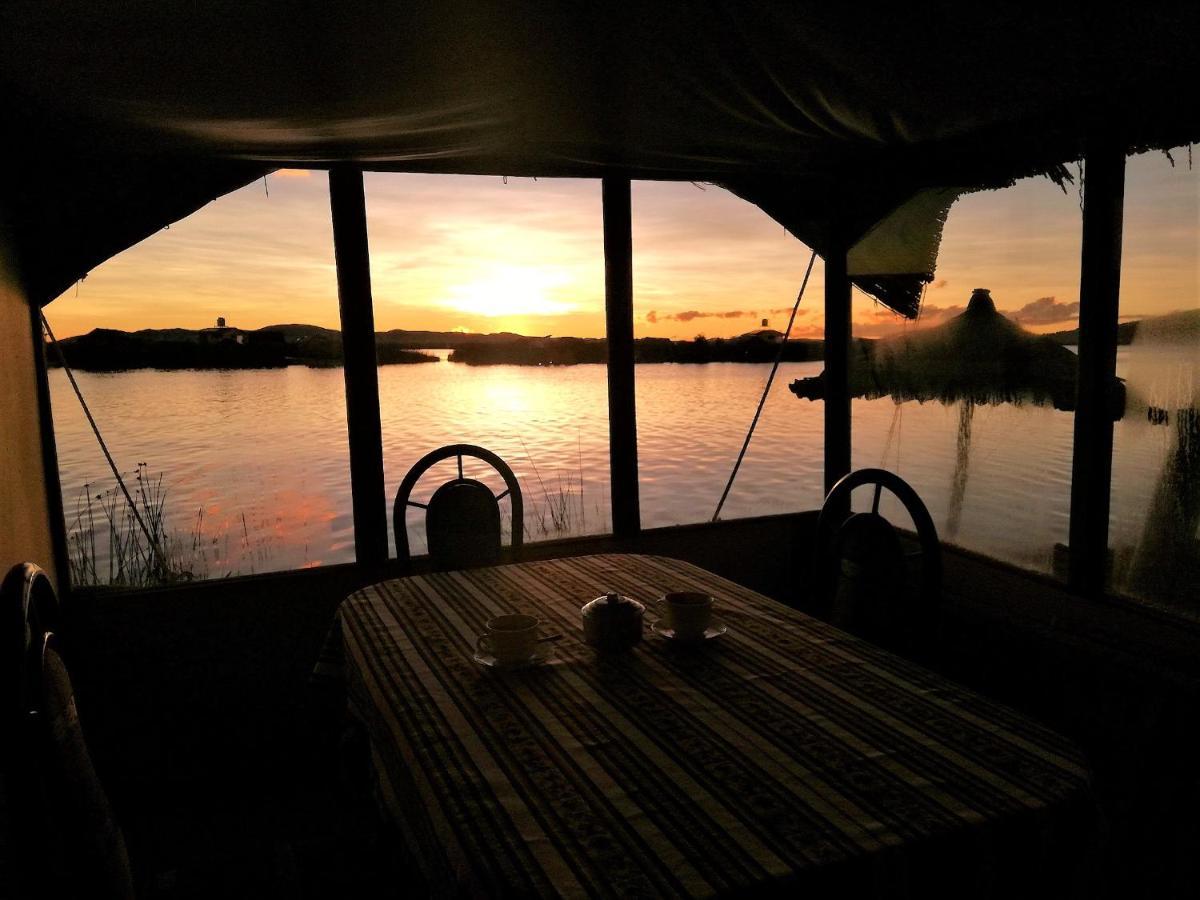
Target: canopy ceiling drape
838	120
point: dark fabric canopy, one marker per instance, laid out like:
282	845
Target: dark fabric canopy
123	118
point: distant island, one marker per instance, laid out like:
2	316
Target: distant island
1183	325
754	347
223	347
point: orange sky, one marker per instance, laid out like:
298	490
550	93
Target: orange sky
479	254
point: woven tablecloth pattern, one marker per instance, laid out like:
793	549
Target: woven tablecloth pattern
785	753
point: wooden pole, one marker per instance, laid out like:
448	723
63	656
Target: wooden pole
1099	298
348	206
837	368
50	475
618	306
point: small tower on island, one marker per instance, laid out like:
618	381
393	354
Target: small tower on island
220	321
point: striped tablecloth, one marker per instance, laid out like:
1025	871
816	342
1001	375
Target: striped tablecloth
785	753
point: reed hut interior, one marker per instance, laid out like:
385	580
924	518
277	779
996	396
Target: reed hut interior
217	764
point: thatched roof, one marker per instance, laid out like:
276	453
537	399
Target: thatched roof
979	356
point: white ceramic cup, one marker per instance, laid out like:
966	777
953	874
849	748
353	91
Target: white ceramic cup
509	638
687	613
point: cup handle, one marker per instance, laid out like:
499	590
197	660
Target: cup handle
484	644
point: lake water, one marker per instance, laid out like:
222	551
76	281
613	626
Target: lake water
256	478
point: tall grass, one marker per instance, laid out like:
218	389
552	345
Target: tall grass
107	546
561	510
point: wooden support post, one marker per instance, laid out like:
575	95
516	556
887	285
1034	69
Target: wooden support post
50	475
1099	298
618	306
348	206
837	367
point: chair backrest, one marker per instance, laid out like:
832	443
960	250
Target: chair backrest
867	580
84	840
28	609
462	518
870	590
66	840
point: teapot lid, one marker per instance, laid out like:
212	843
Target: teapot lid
612	599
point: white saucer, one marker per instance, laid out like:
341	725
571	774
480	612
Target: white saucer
540	655
715	630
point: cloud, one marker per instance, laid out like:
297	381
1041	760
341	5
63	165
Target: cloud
689	314
778	311
939	284
1045	311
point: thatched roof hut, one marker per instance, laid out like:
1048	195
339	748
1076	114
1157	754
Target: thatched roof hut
979	356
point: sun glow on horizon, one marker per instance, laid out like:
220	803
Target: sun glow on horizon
481	254
508	290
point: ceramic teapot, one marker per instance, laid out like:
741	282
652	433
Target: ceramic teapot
613	622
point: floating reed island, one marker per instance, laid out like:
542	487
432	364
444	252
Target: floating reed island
918	365
276	346
755	347
109	350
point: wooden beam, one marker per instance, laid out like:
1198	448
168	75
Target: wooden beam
1099	299
837	367
57	519
618	307
348	206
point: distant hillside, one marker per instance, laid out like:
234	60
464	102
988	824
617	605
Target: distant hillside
110	350
506	348
432	340
317	346
1184	325
566	351
313	345
1125	333
413	340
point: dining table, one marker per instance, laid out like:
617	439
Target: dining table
783	757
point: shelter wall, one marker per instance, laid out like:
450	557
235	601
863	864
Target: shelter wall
25	527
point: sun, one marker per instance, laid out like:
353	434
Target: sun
510	290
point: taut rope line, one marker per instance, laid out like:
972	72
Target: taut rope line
766	390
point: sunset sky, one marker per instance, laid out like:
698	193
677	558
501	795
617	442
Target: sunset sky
478	254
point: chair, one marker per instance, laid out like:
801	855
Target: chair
28	609
66	838
863	570
91	857
462	518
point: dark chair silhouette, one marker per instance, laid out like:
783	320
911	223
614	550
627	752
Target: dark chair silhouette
67	841
864	576
462	518
88	843
28	609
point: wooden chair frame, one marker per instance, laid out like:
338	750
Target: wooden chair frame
426	462
30	610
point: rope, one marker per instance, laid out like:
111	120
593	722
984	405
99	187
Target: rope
766	390
103	446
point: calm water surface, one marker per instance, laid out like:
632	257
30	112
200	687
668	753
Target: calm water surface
256	471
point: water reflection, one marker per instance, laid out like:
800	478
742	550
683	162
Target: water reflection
277	456
1157	460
